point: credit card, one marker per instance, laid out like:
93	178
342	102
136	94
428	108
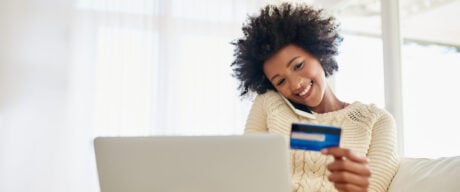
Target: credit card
314	137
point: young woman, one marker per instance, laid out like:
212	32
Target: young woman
285	56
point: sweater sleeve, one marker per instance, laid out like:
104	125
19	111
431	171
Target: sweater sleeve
257	118
382	154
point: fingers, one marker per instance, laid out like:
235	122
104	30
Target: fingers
349	166
349	171
351	179
346	187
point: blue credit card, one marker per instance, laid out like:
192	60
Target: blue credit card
314	137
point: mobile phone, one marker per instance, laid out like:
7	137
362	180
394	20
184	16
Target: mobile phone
298	110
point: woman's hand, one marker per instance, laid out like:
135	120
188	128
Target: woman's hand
349	171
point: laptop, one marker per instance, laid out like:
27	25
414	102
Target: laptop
238	163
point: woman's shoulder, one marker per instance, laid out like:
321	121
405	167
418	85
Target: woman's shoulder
271	100
370	110
269	96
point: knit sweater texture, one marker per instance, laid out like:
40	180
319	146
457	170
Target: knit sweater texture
366	129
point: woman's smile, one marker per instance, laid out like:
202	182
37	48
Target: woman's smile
306	91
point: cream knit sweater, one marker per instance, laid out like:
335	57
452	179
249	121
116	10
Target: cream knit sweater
366	129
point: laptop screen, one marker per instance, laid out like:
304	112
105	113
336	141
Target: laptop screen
193	163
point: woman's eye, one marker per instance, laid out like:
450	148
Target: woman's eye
280	82
298	66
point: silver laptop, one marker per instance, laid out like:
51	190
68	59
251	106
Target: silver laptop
249	163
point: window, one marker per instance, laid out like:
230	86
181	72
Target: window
360	75
431	101
429	64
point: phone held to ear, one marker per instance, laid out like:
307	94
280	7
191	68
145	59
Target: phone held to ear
298	110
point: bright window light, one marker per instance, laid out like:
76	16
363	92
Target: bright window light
430	100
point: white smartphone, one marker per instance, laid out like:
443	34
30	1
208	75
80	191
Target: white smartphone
302	112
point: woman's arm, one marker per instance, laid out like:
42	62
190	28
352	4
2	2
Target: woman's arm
353	172
257	118
382	154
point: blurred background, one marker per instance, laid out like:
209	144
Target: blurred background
72	70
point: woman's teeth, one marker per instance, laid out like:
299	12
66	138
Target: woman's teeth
305	91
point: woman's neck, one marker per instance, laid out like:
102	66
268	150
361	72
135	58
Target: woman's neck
329	103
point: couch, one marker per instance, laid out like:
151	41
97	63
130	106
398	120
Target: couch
427	175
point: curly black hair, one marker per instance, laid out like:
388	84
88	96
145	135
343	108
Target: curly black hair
275	28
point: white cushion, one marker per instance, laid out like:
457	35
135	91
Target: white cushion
430	175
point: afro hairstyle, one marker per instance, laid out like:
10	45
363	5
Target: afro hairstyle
276	27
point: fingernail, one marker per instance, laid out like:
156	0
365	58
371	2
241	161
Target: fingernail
323	151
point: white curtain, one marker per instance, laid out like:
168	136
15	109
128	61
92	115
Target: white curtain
74	70
159	67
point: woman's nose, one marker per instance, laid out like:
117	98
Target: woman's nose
295	83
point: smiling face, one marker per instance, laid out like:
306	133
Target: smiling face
297	75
